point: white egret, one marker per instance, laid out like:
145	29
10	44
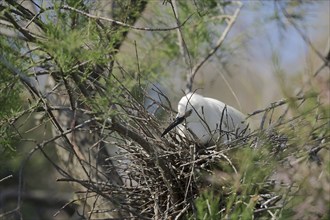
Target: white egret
207	120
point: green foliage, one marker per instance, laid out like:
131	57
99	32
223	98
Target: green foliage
64	47
69	48
254	167
207	205
238	197
201	29
10	99
288	153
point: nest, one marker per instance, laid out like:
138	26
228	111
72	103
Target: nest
164	178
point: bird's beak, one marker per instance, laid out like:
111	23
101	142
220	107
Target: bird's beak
178	120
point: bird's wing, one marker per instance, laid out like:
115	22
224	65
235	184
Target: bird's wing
228	115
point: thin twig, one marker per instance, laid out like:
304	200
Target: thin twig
191	76
66	7
304	37
182	44
5	178
276	104
182	212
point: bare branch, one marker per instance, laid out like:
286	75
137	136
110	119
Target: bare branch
275	105
182	44
5	178
66	7
304	37
191	76
25	79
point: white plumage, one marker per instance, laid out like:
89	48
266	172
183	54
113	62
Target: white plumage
207	120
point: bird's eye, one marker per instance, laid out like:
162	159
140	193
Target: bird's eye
188	113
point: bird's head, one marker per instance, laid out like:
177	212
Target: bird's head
178	120
186	107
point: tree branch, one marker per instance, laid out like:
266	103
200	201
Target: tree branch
66	7
191	76
182	44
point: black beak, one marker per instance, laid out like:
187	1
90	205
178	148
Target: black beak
177	121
